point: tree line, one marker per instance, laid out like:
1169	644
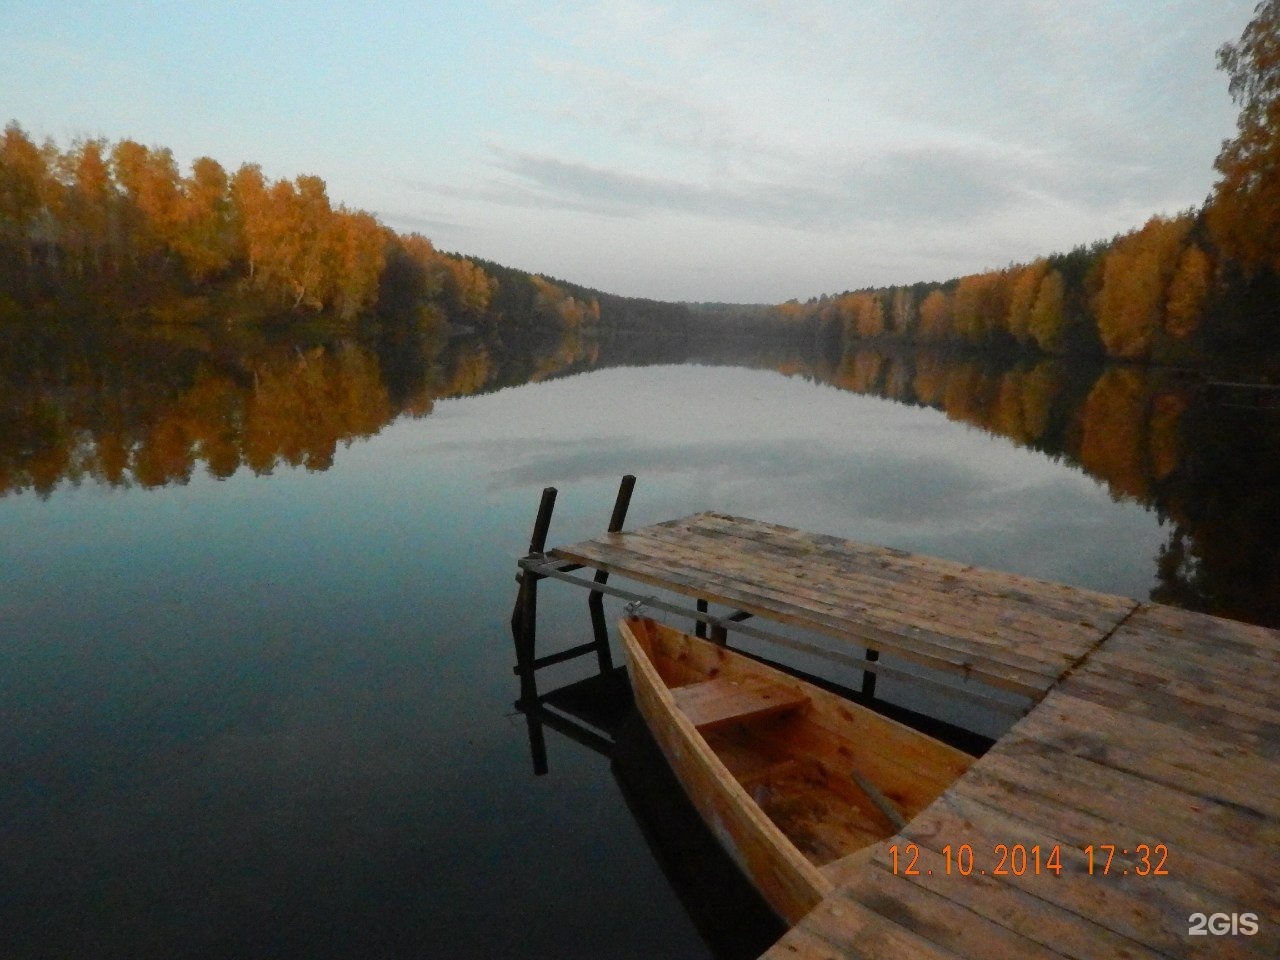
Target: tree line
1181	289
120	225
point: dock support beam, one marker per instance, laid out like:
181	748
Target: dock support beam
595	602
524	618
869	676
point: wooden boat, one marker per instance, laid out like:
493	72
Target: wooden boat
796	782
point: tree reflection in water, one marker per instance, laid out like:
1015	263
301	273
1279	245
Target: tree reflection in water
148	407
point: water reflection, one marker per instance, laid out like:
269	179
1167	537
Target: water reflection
150	407
253	717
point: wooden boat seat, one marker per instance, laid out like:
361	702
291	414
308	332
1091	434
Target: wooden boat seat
716	703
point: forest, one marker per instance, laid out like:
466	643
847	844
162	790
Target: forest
1197	288
117	229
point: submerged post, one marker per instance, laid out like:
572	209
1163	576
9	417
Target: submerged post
595	602
524	616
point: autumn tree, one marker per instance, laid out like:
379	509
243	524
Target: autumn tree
250	210
205	237
23	173
152	201
355	249
1244	210
935	316
1136	274
1022	299
979	306
1187	291
89	206
1047	323
901	311
468	284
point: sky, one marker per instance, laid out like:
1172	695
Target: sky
738	150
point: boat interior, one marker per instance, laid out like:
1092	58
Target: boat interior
834	776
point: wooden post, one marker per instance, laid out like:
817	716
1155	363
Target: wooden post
537	738
524	618
595	601
700	626
720	633
869	677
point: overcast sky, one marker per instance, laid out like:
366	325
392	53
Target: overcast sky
742	151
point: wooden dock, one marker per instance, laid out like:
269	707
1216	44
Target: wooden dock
1147	754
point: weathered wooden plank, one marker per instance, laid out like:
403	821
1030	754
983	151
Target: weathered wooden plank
724	590
1229	636
1138	647
1074	602
850	562
1173	676
939	918
1219	877
978	620
1150	910
1153	699
835	599
966	600
892	567
1019	909
1158	752
1137	807
750	588
853	931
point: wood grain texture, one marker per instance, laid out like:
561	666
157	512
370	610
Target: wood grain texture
1149	725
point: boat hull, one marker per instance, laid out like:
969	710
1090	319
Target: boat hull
789	883
794	781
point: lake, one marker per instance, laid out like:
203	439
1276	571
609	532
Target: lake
255	659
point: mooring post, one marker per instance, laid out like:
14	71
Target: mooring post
524	618
595	602
869	676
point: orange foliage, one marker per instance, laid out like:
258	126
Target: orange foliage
1136	274
1187	291
935	316
1111	445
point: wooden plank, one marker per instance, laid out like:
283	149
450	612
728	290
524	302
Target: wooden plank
1072	602
1139	648
1229	636
1154	700
963	599
927	650
715	703
851	930
723	590
981	630
1160	753
939	918
1137	807
1216	876
1149	910
969	591
1162	727
1018	909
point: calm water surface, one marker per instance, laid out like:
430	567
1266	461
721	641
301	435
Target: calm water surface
271	715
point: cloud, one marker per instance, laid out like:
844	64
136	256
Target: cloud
418	222
939	184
